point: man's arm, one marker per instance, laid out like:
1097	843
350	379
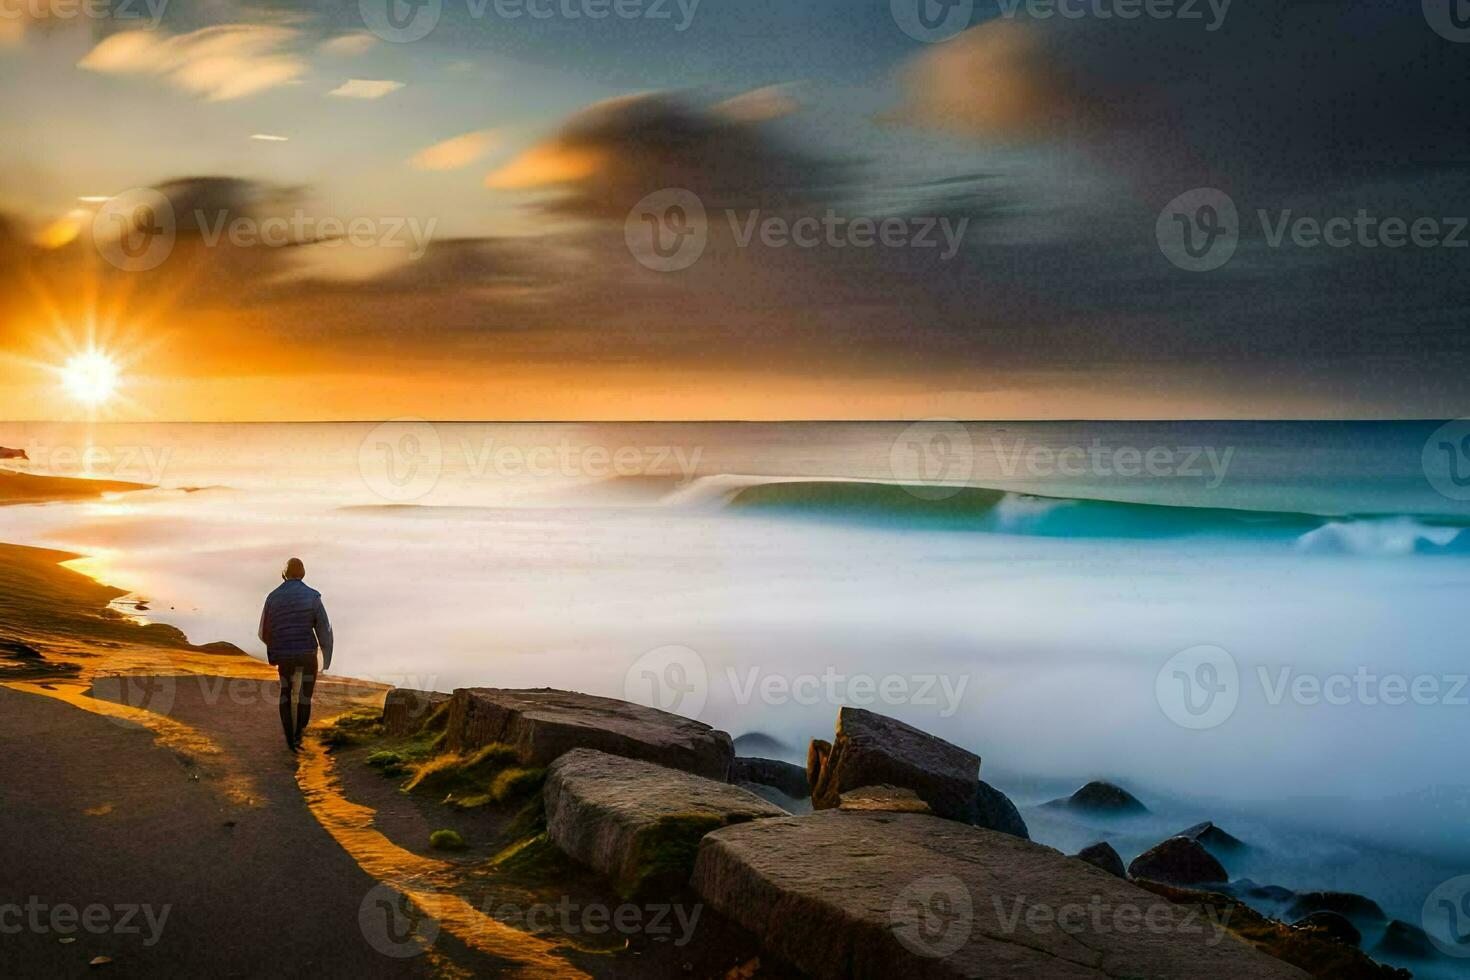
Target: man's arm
264	632
323	628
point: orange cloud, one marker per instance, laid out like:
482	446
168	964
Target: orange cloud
548	165
225	62
456	152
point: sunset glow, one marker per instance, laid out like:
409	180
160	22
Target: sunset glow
90	377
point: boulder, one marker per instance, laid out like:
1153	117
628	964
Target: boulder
789	779
875	896
995	811
1331	925
1102	855
1101	798
1216	841
871	749
12	453
1364	913
889	799
635	822
543	724
1266	893
1178	861
406	710
759	743
1406	942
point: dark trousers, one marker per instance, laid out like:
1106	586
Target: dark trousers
289	673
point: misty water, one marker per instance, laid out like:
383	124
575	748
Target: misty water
1052	630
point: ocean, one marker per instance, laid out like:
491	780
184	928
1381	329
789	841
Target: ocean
1256	623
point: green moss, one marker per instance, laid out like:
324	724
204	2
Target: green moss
446	840
666	851
438	720
356	726
456	776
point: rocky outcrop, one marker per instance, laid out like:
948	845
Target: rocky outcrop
1216	841
874	896
871	749
12	453
1405	942
406	710
995	811
635	822
542	724
1102	855
1332	926
1103	799
887	799
789	779
1178	861
1364	913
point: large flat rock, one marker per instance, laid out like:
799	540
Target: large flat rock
542	724
884	895
872	750
637	822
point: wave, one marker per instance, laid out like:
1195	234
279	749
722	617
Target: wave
897	506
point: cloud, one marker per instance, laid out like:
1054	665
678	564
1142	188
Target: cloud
760	105
229	61
365	88
348	45
456	152
269	138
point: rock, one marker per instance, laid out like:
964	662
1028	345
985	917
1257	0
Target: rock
1404	941
871	749
1361	912
1178	861
16	650
789	779
542	724
12	453
759	743
1101	798
878	896
1332	925
889	799
1268	893
1216	841
406	710
635	822
995	811
817	754
1102	855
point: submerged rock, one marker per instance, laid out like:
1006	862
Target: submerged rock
542	724
1178	861
760	744
635	822
789	779
1405	941
1361	911
13	453
1215	840
879	896
1101	855
1101	798
871	749
406	710
995	811
1331	925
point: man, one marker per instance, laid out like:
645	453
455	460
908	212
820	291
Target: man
292	625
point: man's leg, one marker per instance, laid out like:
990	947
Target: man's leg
285	671
303	700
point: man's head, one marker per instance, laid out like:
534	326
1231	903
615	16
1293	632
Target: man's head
294	569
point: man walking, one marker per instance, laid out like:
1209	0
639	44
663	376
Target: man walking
292	625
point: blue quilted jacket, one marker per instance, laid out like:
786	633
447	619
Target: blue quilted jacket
294	623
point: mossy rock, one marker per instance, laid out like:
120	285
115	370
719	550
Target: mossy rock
446	840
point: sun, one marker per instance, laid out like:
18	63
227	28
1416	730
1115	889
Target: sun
90	377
